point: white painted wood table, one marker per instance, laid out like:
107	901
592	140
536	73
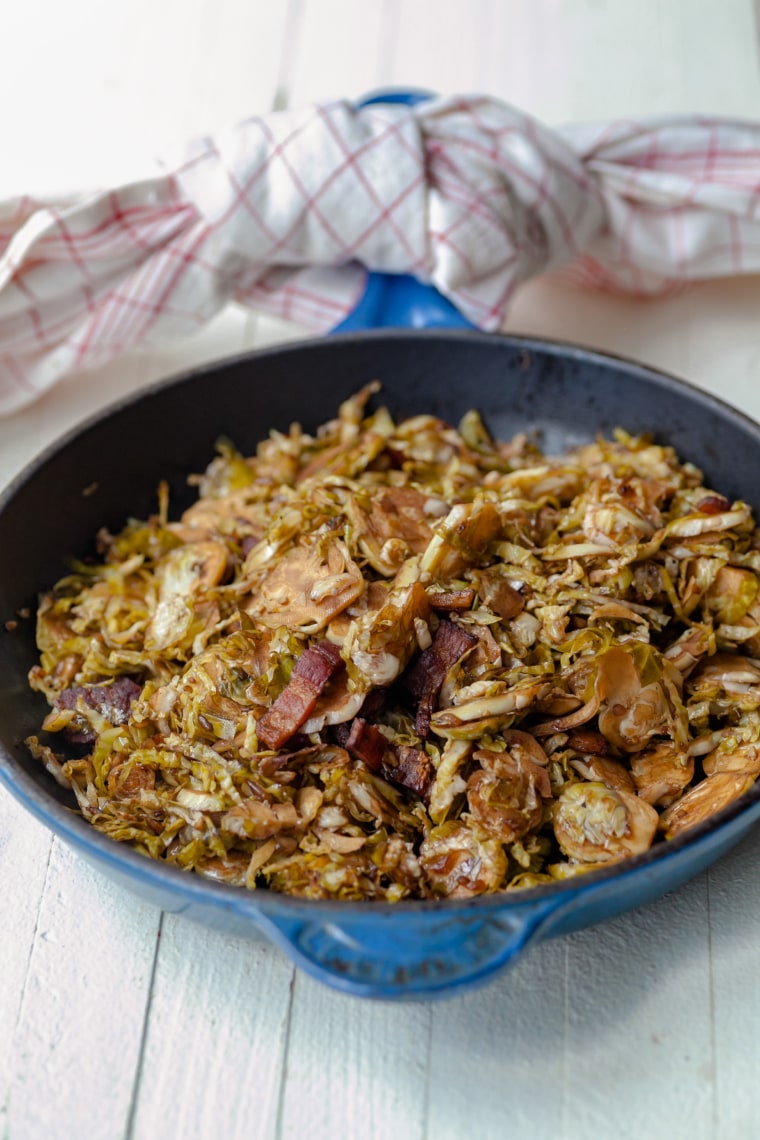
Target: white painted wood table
117	1021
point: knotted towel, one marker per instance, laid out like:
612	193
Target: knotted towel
287	211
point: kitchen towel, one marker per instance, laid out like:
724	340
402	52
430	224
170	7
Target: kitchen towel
286	212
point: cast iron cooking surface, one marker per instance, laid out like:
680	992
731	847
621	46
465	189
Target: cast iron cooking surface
109	470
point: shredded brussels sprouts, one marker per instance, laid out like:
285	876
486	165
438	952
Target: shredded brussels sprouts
404	660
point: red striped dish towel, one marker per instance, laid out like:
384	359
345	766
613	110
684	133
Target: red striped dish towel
286	212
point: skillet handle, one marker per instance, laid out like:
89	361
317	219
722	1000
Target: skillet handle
400	300
431	954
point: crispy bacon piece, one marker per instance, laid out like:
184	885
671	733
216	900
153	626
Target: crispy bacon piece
112	701
425	678
414	770
407	767
444	600
313	670
366	743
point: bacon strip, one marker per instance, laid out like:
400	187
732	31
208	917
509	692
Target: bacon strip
366	743
412	769
313	670
424	679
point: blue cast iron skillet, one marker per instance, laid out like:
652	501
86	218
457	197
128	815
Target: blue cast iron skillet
565	395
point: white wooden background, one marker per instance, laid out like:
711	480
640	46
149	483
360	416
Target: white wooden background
116	1021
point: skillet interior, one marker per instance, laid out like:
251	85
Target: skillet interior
563	395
